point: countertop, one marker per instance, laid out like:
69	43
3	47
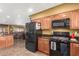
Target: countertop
6	35
48	36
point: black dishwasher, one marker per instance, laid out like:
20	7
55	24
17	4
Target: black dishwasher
59	45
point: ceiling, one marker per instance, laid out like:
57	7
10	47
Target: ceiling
17	13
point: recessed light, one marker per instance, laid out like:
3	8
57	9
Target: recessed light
30	10
1	10
18	15
8	16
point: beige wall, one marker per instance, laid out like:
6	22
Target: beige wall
55	10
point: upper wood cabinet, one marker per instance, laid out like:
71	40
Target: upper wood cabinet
74	17
61	16
46	23
36	20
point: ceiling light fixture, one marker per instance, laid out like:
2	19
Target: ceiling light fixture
18	16
1	10
8	16
30	10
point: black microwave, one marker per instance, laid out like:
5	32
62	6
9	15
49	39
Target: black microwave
61	23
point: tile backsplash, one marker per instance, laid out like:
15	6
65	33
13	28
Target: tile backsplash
59	30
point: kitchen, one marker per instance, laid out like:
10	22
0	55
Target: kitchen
51	32
54	23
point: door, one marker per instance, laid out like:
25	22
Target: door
9	41
46	23
73	20
43	44
40	44
31	32
74	49
74	16
2	42
46	46
31	41
31	46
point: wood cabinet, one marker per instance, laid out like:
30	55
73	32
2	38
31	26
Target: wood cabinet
74	49
6	41
74	19
46	23
9	41
61	16
40	44
36	20
73	15
46	45
2	42
43	45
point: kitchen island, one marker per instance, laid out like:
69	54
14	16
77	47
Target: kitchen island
6	41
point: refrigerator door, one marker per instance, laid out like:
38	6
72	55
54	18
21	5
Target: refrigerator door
31	39
31	27
31	46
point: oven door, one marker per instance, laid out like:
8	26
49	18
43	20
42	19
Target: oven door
55	49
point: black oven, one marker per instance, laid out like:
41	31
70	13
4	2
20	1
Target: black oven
59	45
61	23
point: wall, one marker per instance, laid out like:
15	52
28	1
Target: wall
11	28
55	10
18	29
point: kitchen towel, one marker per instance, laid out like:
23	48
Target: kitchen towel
63	48
53	46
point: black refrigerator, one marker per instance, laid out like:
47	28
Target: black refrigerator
31	34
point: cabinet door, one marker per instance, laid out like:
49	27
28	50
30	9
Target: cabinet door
42	23
40	44
74	49
46	47
46	23
75	19
2	42
43	45
9	41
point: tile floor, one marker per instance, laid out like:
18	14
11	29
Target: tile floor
19	50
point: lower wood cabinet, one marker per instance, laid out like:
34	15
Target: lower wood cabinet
6	41
74	49
9	41
2	42
43	44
